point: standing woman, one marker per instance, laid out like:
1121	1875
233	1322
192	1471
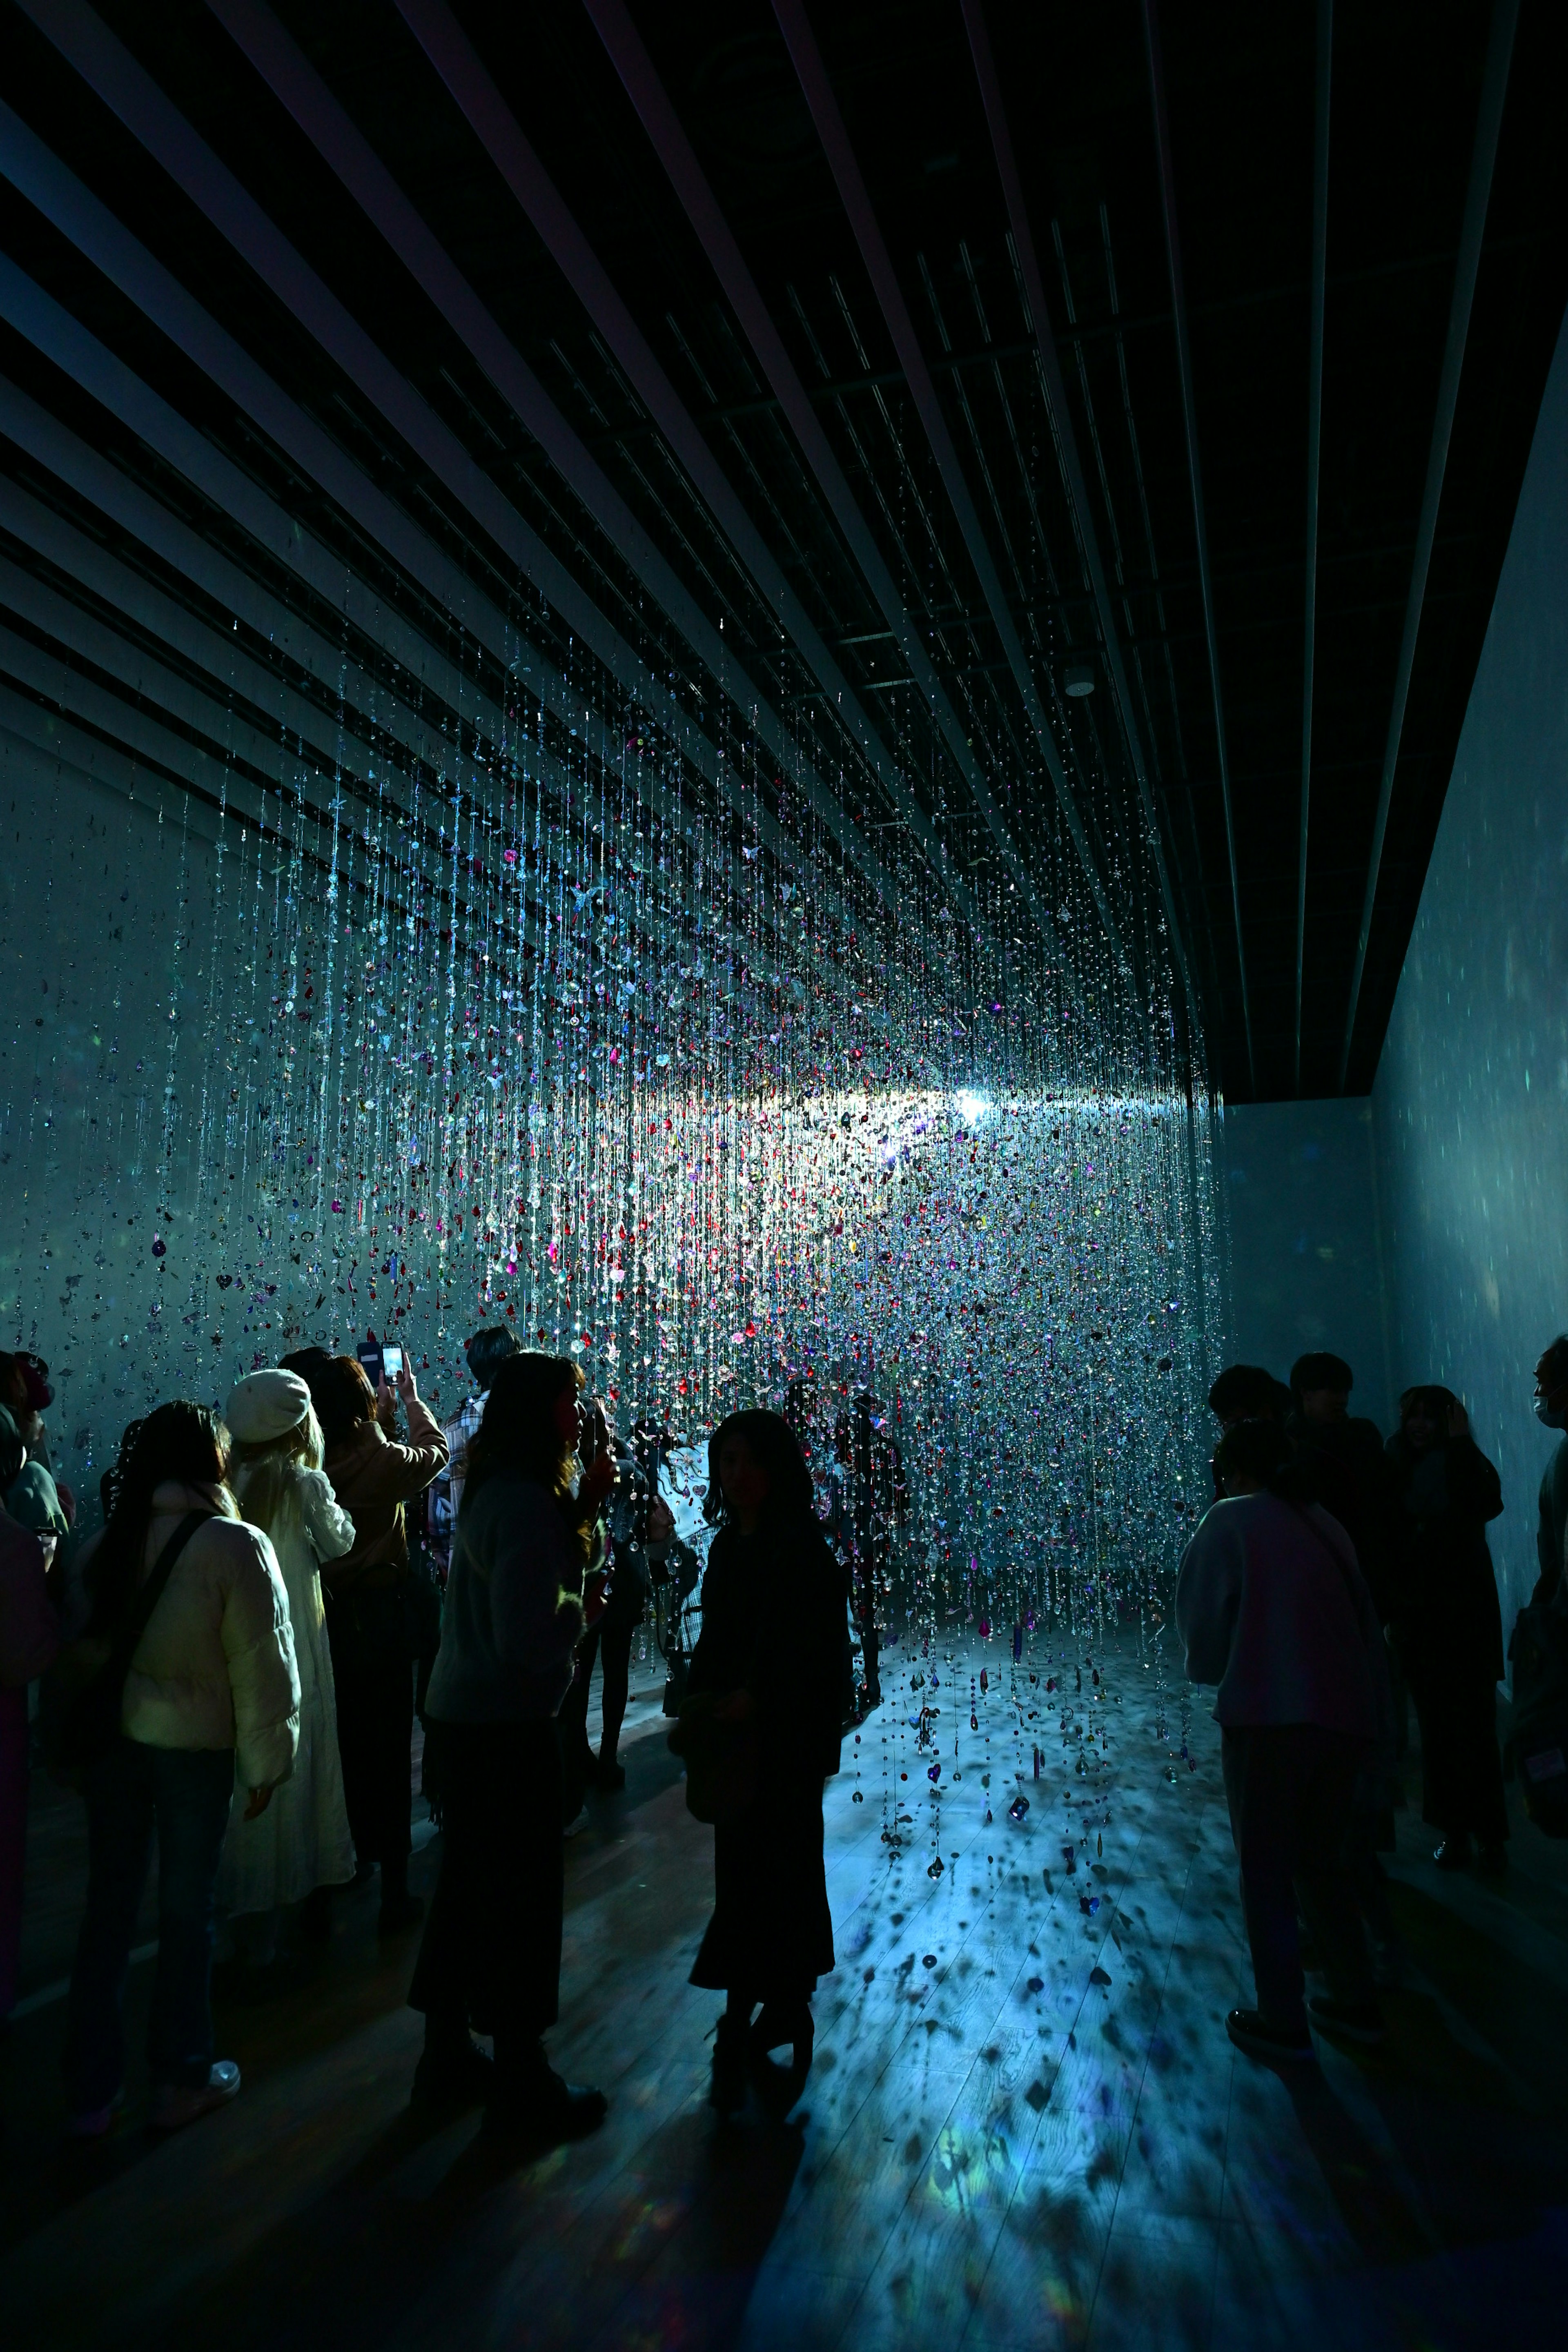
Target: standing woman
490	1959
771	1657
1449	1624
211	1689
368	1591
302	1842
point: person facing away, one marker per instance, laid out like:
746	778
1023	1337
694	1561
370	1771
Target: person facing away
1351	1449
1448	1622
212	1693
1552	1531
302	1843
490	1957
485	1352
1272	1608
771	1658
367	1591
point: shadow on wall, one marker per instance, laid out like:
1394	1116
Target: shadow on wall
1471	1100
1304	1244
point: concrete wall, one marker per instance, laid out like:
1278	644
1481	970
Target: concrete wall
1304	1247
1471	1100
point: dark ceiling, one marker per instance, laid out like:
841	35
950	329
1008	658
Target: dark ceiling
619	322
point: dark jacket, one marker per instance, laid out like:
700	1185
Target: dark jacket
1551	1533
1446	1596
512	1615
774	1623
1356	1485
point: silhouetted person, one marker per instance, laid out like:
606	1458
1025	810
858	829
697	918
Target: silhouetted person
1552	1411
368	1593
1322	1425
771	1657
1449	1624
1271	1606
491	1959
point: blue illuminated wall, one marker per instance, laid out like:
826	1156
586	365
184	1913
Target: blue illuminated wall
1304	1245
1471	1100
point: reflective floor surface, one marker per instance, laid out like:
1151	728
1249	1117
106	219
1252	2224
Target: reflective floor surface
1023	2127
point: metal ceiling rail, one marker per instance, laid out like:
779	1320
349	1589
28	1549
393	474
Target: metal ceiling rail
1314	458
37	317
1076	488
853	195
675	152
1195	477
28	164
475	93
234	591
303	94
131	94
1483	158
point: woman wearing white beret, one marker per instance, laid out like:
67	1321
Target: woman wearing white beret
302	1843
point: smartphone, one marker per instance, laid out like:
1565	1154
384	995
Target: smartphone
390	1362
370	1353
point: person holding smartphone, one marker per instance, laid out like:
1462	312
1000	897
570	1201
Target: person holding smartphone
374	1476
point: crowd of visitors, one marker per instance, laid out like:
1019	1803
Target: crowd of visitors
1336	1580
231	1666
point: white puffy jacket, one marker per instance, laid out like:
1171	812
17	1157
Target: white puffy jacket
215	1667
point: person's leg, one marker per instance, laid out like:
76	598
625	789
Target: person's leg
451	2068
1487	1802
1261	1782
1329	1764
572	1717
12	1837
517	1962
193	1790
355	1741
120	1816
616	1650
389	1708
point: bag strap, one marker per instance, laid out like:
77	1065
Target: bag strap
150	1593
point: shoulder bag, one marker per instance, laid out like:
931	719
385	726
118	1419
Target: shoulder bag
86	1685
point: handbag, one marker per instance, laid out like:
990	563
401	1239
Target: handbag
721	1761
85	1687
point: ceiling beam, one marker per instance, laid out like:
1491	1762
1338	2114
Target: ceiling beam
674	148
1194	475
1314	458
856	199
302	93
1483	157
492	122
1076	487
131	93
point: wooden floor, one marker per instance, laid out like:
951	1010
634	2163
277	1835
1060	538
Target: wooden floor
1025	2125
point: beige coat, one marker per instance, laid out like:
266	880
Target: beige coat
215	1667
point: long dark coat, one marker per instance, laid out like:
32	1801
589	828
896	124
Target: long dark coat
774	1623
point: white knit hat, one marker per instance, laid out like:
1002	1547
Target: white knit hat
266	1405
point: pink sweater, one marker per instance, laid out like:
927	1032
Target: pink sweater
1271	1606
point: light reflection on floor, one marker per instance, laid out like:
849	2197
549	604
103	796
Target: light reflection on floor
1025	2127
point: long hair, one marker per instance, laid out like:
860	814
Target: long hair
342	1395
182	1441
775	1449
516	1435
1260	1450
263	1473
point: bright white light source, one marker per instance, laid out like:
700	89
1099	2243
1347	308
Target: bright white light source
972	1108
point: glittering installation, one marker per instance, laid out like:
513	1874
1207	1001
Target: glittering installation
712	1084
